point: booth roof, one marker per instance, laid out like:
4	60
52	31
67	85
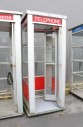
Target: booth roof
75	27
11	12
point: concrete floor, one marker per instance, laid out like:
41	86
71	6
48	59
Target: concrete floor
7	108
73	105
72	116
73	120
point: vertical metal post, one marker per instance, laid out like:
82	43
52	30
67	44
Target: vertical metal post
71	65
62	64
14	66
31	68
17	41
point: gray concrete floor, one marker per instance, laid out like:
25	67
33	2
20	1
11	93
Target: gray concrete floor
72	116
73	120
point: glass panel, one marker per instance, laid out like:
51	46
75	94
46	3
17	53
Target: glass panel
78	53
78	79
50	49
25	83
25	52
4	69
77	40
4	54
4	85
4	38
77	66
39	39
39	69
25	70
24	36
39	54
50	79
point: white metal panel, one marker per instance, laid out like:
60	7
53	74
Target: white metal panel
47	23
63	62
11	12
31	72
45	14
59	66
7	20
17	41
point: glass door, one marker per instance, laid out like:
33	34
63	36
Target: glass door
51	66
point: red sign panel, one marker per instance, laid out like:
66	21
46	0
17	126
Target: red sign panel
49	20
6	17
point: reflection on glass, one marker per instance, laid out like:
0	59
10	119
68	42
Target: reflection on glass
25	70
4	38
25	53
77	66
77	40
50	49
39	39
4	54
39	54
50	79
78	53
78	78
4	69
39	69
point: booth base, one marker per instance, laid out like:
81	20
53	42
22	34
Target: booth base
43	107
78	93
7	109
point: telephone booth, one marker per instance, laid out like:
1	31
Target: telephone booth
10	64
43	62
76	86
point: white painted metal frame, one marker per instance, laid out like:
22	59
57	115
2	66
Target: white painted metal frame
45	14
17	41
61	64
31	73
